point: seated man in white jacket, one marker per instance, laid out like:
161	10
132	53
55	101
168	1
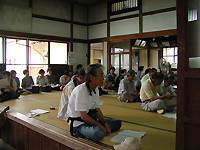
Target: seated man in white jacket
78	79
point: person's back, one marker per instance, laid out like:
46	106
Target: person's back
66	93
64	100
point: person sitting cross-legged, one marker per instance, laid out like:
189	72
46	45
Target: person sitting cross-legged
105	87
84	108
127	91
149	92
168	89
9	91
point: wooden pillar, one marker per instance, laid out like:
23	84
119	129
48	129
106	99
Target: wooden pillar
140	16
108	39
71	32
130	55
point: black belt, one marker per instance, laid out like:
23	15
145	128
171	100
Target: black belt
146	101
90	113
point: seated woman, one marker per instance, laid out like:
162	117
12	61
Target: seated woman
41	79
64	79
27	81
8	91
51	77
13	75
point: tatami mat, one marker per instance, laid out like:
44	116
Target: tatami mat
160	131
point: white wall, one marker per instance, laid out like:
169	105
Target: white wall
81	51
124	14
143	55
80	14
48	27
15	18
97	13
52	8
24	3
79	32
158	22
154	59
152	5
98	31
123	27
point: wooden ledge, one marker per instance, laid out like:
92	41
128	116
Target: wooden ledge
57	134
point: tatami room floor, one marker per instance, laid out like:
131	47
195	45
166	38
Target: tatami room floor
160	130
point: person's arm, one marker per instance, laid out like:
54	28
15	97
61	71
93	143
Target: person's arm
32	80
103	121
37	80
150	95
54	79
10	88
45	80
61	82
90	121
23	84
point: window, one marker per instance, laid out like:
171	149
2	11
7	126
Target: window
171	56
123	5
120	56
58	53
192	10
38	52
16	56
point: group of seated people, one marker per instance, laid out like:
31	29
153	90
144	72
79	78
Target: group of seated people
80	104
11	84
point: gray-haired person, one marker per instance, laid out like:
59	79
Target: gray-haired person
127	91
84	108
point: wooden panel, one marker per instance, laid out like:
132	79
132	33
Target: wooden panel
191	139
12	133
49	144
63	147
34	140
21	137
192	97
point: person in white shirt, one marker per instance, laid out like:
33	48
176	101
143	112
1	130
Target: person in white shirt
9	90
78	79
41	79
148	75
84	108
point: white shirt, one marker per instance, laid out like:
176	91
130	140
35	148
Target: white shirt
144	78
6	82
81	100
62	111
64	80
42	81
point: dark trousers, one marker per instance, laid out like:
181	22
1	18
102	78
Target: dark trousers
6	96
